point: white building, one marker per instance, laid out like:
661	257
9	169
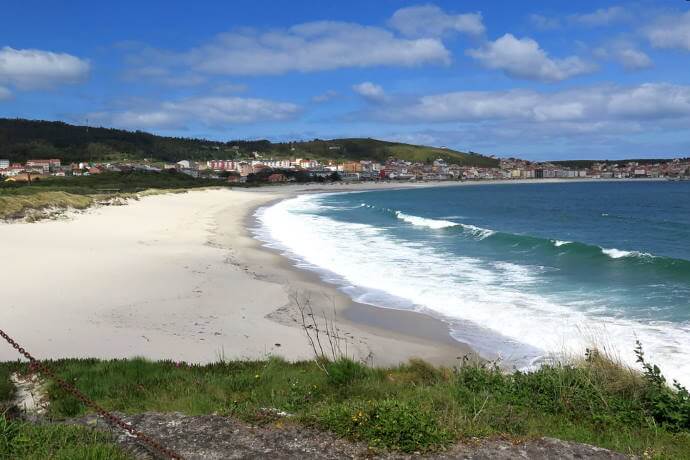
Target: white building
4	164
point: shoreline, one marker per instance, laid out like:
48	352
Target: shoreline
180	277
417	335
399	324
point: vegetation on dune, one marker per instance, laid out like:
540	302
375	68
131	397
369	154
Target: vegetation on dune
81	192
414	407
125	182
21	140
17	205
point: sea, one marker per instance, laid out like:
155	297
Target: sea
523	273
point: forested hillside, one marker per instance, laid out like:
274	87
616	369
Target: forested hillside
24	139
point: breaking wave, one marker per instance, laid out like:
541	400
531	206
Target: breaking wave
491	306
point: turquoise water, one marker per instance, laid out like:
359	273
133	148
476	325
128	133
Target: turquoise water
520	271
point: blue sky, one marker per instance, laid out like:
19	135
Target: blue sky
539	79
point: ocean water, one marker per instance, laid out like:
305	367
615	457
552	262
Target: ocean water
521	272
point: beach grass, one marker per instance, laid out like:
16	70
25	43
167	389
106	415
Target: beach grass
61	193
17	205
21	440
409	408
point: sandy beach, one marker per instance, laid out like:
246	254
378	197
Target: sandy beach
180	277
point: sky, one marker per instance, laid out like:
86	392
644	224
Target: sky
538	80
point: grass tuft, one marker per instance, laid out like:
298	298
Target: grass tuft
19	440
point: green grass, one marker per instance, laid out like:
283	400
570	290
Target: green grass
6	389
16	205
81	192
20	441
377	150
415	407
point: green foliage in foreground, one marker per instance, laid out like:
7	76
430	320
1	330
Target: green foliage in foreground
19	441
6	389
415	407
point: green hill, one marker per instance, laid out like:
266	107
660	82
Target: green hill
24	139
373	149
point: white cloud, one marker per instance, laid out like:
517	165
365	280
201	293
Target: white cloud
632	58
602	16
432	21
370	91
209	111
650	101
325	97
580	107
34	69
626	54
5	93
523	58
670	32
308	47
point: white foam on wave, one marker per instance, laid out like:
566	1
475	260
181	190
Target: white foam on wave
616	253
425	222
478	232
493	297
559	243
619	254
436	224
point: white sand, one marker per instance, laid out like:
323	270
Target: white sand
178	277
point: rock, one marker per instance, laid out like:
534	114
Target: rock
217	437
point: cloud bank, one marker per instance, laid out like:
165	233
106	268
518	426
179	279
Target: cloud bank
670	32
645	102
208	111
27	69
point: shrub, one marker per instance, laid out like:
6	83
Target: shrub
481	378
423	371
393	424
6	387
670	407
344	371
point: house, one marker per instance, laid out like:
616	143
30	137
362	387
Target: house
277	177
352	167
222	165
235	178
245	169
44	165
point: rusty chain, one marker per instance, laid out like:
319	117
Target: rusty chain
110	418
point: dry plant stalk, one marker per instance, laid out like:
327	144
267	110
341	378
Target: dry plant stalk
324	339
